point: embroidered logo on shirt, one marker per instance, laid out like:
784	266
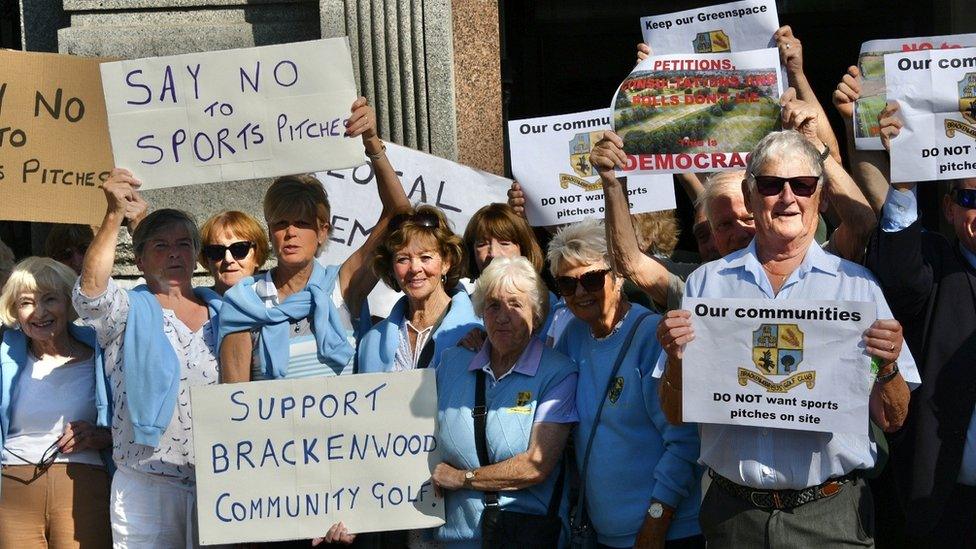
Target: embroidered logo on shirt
616	389
777	350
522	401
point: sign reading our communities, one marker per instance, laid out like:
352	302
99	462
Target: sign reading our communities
697	113
54	149
872	67
551	161
936	91
287	459
735	26
233	114
780	364
458	190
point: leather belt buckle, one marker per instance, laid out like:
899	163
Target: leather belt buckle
830	489
752	499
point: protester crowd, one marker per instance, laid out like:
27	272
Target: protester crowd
582	328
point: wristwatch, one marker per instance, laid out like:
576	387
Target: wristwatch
885	378
656	510
469	477
825	152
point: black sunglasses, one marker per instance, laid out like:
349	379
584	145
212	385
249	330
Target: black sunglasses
965	198
801	185
238	250
426	220
591	282
47	458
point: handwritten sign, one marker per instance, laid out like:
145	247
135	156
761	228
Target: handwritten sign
458	190
233	114
936	90
697	113
781	364
54	149
551	161
286	459
871	64
735	26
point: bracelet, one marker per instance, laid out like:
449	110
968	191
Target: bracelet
825	152
882	379
376	156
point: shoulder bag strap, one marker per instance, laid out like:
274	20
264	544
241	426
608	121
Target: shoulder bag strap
480	415
580	509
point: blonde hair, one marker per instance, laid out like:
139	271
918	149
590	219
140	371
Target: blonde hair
518	276
583	243
241	224
657	232
36	275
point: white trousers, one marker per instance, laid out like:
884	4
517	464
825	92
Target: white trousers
152	512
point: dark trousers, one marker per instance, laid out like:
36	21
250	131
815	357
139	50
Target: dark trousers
957	526
693	542
845	519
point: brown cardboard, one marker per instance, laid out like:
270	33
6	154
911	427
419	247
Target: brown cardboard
77	143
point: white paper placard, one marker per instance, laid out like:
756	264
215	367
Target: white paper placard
780	364
735	26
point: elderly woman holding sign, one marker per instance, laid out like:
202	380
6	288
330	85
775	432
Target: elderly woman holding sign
639	482
759	472
504	416
159	340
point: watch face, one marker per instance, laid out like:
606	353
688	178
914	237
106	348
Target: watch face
468	475
656	510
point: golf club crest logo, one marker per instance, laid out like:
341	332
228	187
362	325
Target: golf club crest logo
967	108
777	350
580	146
523	403
715	41
616	389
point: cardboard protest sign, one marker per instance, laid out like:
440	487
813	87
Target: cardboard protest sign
233	114
54	148
780	364
735	26
551	161
871	64
697	113
286	459
936	90
459	191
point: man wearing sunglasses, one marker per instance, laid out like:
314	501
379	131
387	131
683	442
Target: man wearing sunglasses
931	285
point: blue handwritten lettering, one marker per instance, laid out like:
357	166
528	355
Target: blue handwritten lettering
215	458
244	454
142	145
284	450
217	507
294	75
257	77
235	394
372	394
196	148
308	448
196	89
335	447
269	452
168	84
128	80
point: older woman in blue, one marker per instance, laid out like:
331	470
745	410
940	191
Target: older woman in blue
54	415
307	316
640	481
530	401
423	257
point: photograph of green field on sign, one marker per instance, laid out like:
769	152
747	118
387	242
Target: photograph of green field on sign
679	116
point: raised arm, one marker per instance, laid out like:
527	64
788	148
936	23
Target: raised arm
630	261
791	56
356	279
122	197
858	220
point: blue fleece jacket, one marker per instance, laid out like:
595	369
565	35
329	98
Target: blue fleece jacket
13	357
637	455
152	369
378	347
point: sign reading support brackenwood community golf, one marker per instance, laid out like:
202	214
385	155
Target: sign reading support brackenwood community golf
735	26
871	65
697	113
936	91
458	190
54	150
551	161
233	114
287	459
780	364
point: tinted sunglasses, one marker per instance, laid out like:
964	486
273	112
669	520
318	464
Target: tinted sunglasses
591	282
801	185
238	250
426	220
965	198
47	459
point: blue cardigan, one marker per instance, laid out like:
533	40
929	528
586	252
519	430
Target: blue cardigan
378	347
13	357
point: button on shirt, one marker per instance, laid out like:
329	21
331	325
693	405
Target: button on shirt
782	458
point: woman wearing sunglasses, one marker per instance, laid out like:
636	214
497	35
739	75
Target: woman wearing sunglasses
639	478
235	246
54	416
422	257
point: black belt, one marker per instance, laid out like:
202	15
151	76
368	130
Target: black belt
781	499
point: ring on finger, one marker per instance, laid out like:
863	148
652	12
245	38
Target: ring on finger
892	348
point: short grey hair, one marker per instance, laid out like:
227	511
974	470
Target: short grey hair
160	220
717	185
583	243
518	276
777	145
